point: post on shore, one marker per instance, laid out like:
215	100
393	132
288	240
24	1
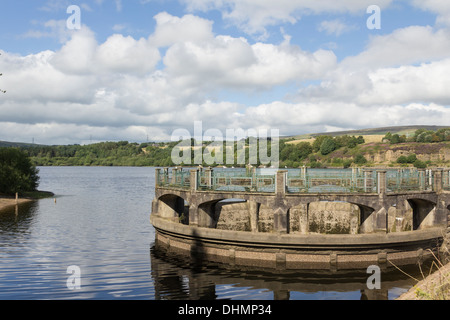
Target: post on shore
17	197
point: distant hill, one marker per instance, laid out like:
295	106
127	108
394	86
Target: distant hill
6	144
406	130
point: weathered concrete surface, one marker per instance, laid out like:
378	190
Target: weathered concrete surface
304	229
297	251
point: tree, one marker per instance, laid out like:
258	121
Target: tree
328	145
17	173
318	142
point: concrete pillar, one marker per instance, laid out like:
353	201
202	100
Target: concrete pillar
193	215
173	180
281	220
209	176
155	206
380	220
437	183
381	182
354	177
193	180
206	215
157	176
280	181
446	179
253	208
422	177
165	176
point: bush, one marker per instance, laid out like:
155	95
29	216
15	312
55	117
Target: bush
360	159
409	159
402	159
420	164
347	163
17	173
328	145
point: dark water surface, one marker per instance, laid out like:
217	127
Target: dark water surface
100	223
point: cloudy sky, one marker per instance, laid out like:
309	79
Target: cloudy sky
141	69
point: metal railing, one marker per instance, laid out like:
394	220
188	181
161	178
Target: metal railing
175	178
332	181
243	181
354	180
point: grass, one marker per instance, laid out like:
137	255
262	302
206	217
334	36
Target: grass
434	286
36	195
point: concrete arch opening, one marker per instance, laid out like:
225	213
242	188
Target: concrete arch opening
230	214
423	213
366	219
173	207
330	217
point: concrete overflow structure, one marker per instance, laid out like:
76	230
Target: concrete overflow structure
303	218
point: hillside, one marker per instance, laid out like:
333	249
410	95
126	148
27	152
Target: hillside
406	146
398	146
401	130
7	144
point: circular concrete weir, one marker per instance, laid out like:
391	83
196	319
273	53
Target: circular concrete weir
297	251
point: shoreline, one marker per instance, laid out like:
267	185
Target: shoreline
6	203
434	286
9	201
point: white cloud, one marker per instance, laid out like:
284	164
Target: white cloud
410	45
234	63
124	87
255	16
171	29
440	7
336	27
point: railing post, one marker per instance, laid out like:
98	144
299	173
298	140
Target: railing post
381	182
157	176
304	172
209	173
166	176
437	183
446	179
174	176
193	179
422	178
367	180
281	182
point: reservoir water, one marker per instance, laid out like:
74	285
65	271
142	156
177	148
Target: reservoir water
100	224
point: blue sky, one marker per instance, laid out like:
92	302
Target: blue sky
144	68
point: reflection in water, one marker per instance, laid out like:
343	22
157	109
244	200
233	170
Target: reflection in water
176	277
101	224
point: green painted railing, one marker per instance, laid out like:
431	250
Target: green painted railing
332	181
355	180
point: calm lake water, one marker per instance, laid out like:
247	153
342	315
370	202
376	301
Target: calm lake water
100	223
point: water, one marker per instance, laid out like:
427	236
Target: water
100	223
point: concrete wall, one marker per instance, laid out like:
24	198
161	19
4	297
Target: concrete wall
317	217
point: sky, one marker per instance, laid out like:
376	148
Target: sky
140	70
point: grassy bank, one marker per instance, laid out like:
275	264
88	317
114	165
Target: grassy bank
434	286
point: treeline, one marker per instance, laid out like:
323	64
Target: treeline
124	153
120	153
17	173
420	135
